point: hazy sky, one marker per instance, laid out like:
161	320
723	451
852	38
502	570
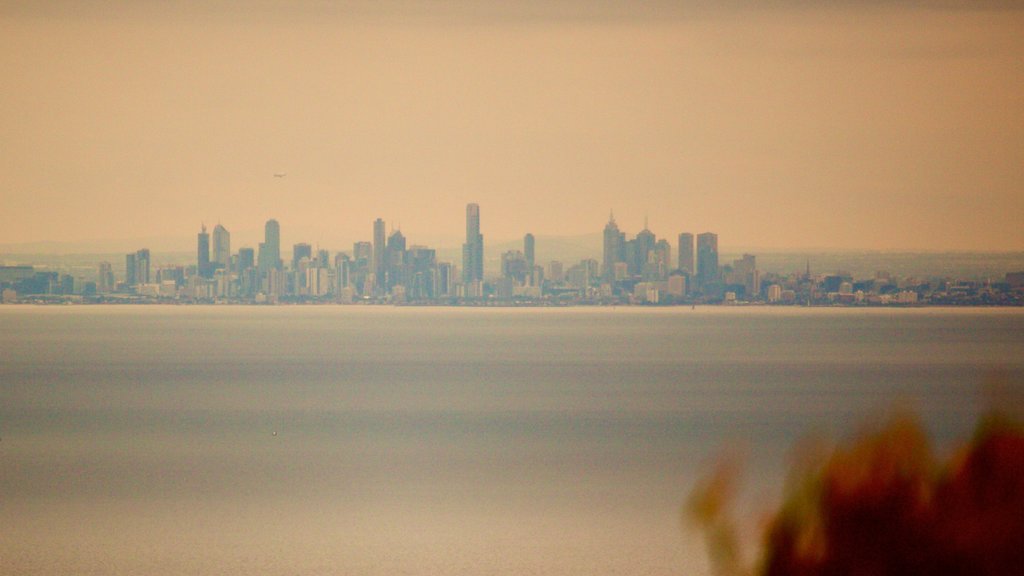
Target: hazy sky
879	125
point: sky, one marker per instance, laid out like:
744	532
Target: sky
779	125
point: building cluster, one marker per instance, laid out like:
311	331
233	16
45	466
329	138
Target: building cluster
386	269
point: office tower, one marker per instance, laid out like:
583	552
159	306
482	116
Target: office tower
105	278
514	266
421	280
643	245
342	270
394	260
744	271
246	259
686	253
473	249
129	270
445	279
614	248
221	248
659	261
300	251
270	248
203	254
136	268
707	259
142	267
528	250
379	257
363	251
323	259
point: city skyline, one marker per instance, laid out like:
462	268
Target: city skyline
888	127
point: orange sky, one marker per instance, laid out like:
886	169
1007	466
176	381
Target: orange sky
895	126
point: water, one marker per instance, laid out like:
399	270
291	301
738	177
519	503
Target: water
374	440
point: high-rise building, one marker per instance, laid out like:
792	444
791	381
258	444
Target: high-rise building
394	260
270	248
203	254
300	251
707	259
105	278
246	258
136	268
221	248
473	249
686	253
129	270
528	250
643	245
614	248
379	257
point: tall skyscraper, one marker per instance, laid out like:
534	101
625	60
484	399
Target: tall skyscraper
643	245
270	248
473	249
246	259
221	248
707	259
300	251
394	260
137	268
614	248
203	254
105	278
528	251
686	253
129	270
379	258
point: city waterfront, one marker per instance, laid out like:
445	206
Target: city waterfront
384	440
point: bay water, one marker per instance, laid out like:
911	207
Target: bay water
434	441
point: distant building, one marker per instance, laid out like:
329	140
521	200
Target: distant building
529	246
394	260
105	278
379	257
515	267
473	249
614	248
300	251
203	254
707	260
136	268
221	248
270	248
686	253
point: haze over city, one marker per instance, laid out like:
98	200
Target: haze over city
894	126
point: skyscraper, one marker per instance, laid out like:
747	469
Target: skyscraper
137	268
614	248
105	278
379	257
129	270
473	249
528	251
394	260
246	259
203	254
707	259
221	247
686	253
300	251
270	248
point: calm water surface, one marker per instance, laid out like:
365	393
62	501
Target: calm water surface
357	440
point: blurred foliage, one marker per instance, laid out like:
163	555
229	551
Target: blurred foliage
885	504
